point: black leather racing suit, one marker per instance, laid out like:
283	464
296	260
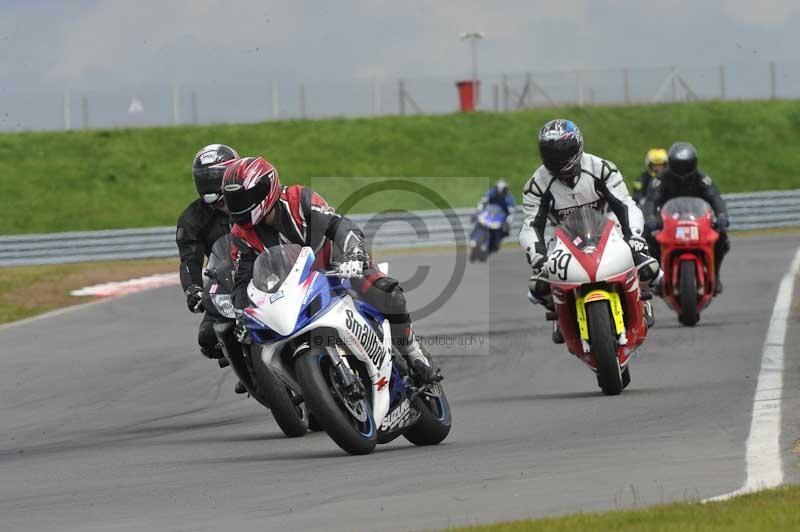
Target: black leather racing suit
199	226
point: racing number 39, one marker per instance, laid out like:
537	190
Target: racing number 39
558	263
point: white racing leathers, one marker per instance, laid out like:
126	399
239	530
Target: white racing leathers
600	186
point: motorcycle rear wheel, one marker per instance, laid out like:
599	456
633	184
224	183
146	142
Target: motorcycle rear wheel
291	418
316	376
603	342
434	422
687	295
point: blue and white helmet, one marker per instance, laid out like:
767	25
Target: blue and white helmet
561	148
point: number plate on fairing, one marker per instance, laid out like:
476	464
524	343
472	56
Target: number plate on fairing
684	232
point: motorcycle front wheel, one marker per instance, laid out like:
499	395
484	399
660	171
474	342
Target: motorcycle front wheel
603	342
347	421
687	286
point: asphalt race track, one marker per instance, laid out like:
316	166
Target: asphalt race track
111	418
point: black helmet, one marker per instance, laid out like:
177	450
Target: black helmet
207	169
682	159
561	148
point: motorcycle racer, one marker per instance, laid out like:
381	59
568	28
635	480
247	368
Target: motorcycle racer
567	180
654	162
501	196
682	178
199	226
266	214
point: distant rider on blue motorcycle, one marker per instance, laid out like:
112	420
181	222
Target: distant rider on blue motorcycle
501	196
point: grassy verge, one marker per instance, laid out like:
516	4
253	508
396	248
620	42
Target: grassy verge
29	290
768	510
58	181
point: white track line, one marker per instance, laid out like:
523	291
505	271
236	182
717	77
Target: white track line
764	460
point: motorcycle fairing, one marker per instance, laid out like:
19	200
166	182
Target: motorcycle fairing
269	325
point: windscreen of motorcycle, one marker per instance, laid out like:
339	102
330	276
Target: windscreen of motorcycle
594	260
585	227
220	262
686	208
493	216
273	266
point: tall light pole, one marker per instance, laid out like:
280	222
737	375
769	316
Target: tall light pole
473	38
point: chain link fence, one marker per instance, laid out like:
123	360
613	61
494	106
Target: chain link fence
213	103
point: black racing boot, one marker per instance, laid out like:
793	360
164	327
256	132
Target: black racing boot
718	288
558	336
417	359
240	389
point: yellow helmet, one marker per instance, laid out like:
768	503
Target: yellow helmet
655	156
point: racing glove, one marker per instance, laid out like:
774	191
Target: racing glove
535	257
352	265
722	222
351	269
194	298
240	330
638	245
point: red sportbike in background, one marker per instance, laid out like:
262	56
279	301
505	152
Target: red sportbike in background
687	241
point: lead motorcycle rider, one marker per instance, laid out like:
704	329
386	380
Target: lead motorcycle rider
266	214
567	180
682	178
199	226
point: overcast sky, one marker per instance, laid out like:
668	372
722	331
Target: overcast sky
46	44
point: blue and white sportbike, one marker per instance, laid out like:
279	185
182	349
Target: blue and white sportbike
487	232
337	350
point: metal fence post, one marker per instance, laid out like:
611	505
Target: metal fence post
674	72
176	104
303	101
626	86
722	82
275	108
67	110
401	97
506	92
772	83
496	97
194	108
85	111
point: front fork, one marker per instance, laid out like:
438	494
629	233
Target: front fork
350	382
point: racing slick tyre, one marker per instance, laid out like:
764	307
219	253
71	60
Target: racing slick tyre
473	253
687	294
347	421
626	377
604	346
433	425
286	405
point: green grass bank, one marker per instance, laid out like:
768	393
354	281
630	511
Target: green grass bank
59	181
772	510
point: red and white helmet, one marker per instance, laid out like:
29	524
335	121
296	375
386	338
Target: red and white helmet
251	187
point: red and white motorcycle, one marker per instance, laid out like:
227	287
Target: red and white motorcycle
595	287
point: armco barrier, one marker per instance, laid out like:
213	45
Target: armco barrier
757	210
